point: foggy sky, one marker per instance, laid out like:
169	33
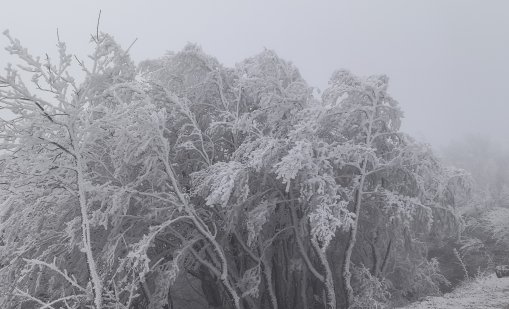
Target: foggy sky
447	60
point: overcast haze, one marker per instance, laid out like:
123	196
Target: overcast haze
447	60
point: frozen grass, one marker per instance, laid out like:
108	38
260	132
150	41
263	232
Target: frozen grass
484	292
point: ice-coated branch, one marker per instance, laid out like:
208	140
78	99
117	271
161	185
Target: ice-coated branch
70	279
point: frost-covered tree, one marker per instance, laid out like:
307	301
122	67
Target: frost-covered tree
487	161
130	187
56	177
484	239
371	165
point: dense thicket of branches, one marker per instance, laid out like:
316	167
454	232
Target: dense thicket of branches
179	183
484	241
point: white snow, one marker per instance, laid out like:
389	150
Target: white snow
485	292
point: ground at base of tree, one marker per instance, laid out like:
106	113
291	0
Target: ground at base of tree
484	292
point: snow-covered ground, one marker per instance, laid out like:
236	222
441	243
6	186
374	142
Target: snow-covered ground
486	292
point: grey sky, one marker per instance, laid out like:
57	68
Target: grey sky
447	60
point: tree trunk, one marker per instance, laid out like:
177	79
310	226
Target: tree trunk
352	238
267	273
386	257
330	294
87	242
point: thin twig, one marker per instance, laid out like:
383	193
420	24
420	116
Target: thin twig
97	27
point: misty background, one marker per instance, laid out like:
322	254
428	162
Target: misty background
388	222
447	60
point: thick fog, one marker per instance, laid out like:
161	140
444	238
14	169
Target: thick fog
183	183
447	60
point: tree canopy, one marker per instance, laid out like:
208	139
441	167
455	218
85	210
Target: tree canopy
179	181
